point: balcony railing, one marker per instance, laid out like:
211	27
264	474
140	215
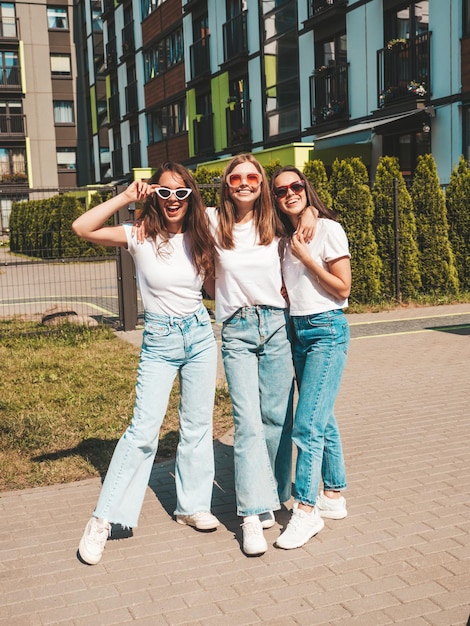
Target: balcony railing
404	70
128	42
134	155
203	134
9	28
113	107
235	37
200	58
10	78
317	6
116	160
131	97
329	94
238	124
111	52
12	125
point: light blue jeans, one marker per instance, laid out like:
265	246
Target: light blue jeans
320	347
260	375
185	346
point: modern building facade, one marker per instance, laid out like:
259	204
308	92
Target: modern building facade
200	80
38	99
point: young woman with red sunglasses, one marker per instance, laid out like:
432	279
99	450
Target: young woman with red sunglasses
317	277
255	349
172	262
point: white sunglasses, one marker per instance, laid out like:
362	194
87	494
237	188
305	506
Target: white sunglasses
181	193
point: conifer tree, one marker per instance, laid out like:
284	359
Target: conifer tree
436	259
458	216
353	203
316	173
271	167
383	192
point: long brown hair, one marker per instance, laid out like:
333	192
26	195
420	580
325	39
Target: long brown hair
195	224
266	219
313	199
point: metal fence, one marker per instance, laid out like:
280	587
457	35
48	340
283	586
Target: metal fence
101	287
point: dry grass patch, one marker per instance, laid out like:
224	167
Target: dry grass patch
67	396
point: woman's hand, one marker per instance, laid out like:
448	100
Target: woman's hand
138	231
307	223
299	247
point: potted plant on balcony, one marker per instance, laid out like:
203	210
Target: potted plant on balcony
397	43
417	88
232	101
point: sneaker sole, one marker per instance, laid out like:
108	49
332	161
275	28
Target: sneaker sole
332	514
211	526
299	545
257	553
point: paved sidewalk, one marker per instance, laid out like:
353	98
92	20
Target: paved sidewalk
402	556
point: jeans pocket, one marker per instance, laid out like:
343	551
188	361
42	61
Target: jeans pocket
154	331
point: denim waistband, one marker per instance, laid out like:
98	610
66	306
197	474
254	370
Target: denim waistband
331	313
173	320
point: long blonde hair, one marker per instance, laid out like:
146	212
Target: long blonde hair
268	224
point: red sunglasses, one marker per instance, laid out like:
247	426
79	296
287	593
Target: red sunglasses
297	187
252	178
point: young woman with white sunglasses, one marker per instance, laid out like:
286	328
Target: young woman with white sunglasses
172	264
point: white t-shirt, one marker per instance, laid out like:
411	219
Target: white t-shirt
306	295
248	274
168	281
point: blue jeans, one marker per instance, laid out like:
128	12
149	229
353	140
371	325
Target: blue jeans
260	375
320	350
184	345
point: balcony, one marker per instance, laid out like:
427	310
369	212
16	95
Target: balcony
116	160
329	94
404	71
9	28
134	155
128	42
235	37
320	11
111	52
114	109
10	79
12	126
131	97
203	134
237	116
200	58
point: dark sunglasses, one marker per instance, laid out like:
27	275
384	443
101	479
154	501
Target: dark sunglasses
297	186
235	180
181	193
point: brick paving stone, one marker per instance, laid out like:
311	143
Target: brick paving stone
401	556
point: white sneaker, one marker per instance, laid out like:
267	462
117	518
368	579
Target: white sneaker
267	519
254	543
331	508
301	527
94	540
203	520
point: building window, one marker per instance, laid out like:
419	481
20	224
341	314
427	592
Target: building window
9	69
63	112
57	18
148	6
60	65
13	165
166	53
66	158
7	20
166	122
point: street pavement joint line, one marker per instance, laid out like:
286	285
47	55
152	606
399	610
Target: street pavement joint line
413	332
408	319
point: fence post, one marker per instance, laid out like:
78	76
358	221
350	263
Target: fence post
396	219
127	284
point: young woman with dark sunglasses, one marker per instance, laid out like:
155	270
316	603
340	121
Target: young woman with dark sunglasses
171	265
255	349
317	277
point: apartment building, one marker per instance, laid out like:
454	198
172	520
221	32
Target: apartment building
38	113
200	80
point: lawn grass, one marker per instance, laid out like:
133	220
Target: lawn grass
66	398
